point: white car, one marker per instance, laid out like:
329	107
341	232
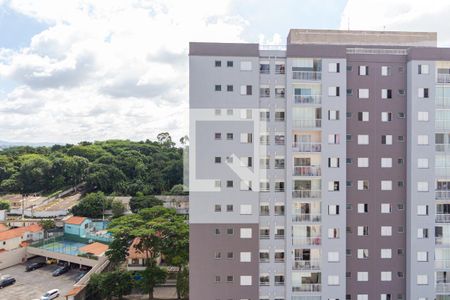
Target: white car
52	294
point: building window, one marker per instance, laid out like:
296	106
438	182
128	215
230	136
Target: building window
363	70
217	159
385	71
217	87
363	116
218	63
246	233
386	253
229	136
229	63
363	208
423	69
229	207
422	256
363	230
386	208
333	186
386	162
229	88
230	231
246	65
422	210
386	116
333	162
386	139
386	230
217	208
422	116
386	94
422	186
333	91
363	93
334	67
362	276
279	116
264	91
333	115
422	279
245	257
245	209
246	90
386	276
363	162
363	253
246	138
422	139
264	68
333	210
363	139
246	280
423	93
363	185
422	163
280	68
386	185
333	280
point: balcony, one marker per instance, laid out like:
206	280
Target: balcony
307	171
443	78
442	102
442	195
442	287
307	75
442	240
309	241
306	265
442	147
313	287
279	236
442	264
316	123
307	147
442	218
307	218
264	237
308	99
306	194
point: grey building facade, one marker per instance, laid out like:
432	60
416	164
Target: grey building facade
318	170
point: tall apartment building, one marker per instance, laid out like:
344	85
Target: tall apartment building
320	170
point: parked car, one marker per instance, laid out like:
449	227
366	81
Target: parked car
34	266
6	280
51	261
61	270
52	294
79	276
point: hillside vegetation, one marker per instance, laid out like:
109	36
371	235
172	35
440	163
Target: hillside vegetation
113	166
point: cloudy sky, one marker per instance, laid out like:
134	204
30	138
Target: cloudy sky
78	70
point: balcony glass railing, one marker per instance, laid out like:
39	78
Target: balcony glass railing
307	171
442	102
307	147
442	264
442	287
442	195
306	194
442	218
312	287
306	265
307	217
308	99
306	75
442	147
442	240
316	123
443	78
442	124
309	241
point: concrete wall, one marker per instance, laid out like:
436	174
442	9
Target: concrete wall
374	196
414	198
13	257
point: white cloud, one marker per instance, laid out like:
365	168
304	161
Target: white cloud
408	15
106	68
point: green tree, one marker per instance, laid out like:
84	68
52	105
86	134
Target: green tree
92	205
34	173
165	139
118	209
4	205
152	276
182	284
108	285
118	249
47	224
140	201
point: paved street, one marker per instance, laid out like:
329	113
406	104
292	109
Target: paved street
32	285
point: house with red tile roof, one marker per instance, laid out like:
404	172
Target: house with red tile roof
137	259
18	237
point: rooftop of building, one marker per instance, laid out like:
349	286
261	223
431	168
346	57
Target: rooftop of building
17	232
134	252
95	248
74	220
362	37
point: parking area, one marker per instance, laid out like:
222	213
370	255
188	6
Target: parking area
32	285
